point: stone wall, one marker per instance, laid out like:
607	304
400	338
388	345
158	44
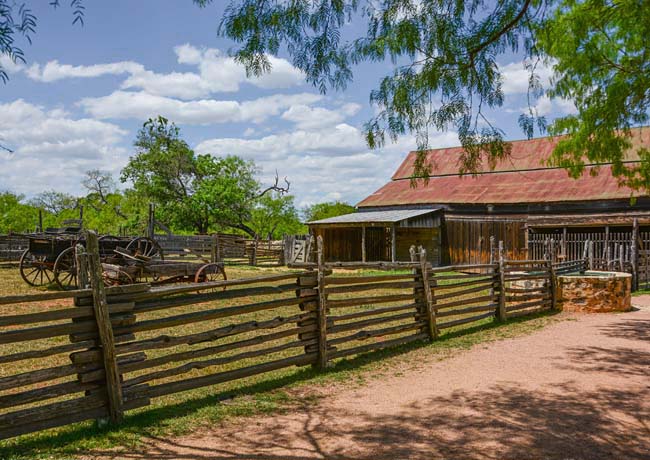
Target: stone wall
595	293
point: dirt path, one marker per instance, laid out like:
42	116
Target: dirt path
579	389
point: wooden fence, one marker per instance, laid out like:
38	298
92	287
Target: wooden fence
230	249
117	348
12	247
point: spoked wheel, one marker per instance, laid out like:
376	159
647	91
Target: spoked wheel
65	270
116	277
35	270
146	247
211	272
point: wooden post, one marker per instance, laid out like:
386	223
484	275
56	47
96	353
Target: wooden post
393	244
107	341
621	258
634	249
363	243
502	314
40	220
150	222
322	307
492	249
552	284
591	254
607	250
428	296
216	253
585	257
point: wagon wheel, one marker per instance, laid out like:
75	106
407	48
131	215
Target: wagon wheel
145	246
210	272
119	280
35	270
65	270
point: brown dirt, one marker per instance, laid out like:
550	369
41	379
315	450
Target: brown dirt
579	389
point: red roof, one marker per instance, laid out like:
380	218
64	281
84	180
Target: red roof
521	178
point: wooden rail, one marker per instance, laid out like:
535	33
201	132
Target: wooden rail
114	349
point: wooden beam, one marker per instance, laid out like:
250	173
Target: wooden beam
105	328
363	244
393	244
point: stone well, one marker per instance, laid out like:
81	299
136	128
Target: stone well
594	292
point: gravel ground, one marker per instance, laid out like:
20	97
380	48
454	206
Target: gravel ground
578	389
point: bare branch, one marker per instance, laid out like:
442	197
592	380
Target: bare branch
276	187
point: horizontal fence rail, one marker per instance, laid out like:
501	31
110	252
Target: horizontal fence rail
96	353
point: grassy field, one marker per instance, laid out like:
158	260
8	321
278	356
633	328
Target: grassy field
274	391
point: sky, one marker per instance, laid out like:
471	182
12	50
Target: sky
84	92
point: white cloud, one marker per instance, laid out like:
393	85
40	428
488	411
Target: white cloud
217	72
313	118
52	150
53	70
323	165
141	105
9	66
516	77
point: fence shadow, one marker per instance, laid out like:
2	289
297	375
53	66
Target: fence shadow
504	422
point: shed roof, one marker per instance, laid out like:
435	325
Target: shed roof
521	178
363	217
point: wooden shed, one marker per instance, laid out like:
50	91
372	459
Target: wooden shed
383	235
520	200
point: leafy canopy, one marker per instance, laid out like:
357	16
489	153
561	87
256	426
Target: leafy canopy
445	66
193	192
326	210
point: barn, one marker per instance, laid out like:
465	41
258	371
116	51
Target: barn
521	201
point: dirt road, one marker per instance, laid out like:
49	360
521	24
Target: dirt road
578	389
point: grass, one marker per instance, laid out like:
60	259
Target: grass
266	393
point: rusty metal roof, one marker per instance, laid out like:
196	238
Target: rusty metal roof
362	217
522	178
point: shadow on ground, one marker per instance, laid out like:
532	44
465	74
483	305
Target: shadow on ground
502	423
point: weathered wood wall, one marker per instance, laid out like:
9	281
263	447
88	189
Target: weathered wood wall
467	241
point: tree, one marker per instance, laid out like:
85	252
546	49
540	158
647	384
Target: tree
15	215
193	192
445	65
275	215
326	210
54	202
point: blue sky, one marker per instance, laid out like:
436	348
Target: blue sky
82	95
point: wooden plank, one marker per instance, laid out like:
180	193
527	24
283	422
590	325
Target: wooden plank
206	380
45	296
369	322
44	393
365	279
462	292
372	287
56	315
33	354
470	301
373	312
379	345
473	282
502	314
463	311
461	321
185	368
370	300
528	305
374	333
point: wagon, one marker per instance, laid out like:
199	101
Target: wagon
50	256
137	267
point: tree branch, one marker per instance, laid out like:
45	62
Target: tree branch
276	187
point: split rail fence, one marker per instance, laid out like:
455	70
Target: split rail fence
117	348
230	249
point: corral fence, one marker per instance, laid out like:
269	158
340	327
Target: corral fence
615	250
222	247
12	247
117	348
